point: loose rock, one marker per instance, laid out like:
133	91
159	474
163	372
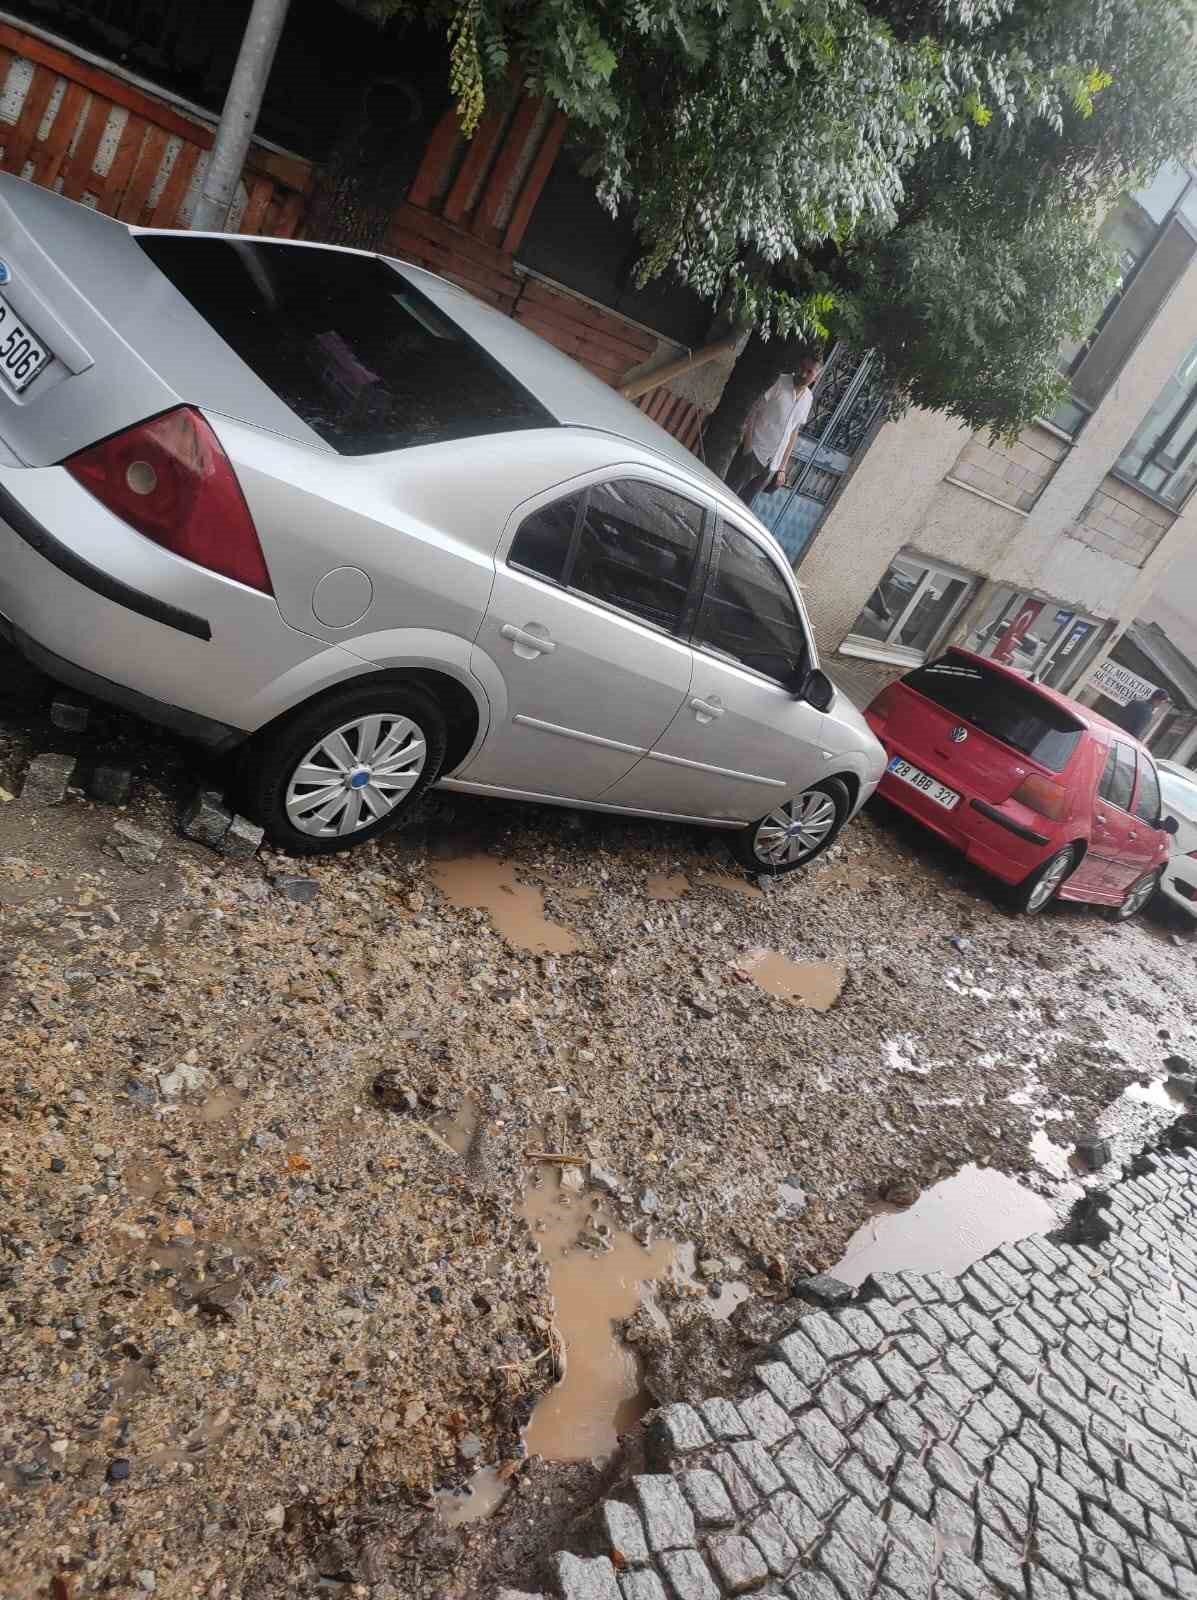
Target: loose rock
47	779
207	819
242	839
111	783
135	846
69	715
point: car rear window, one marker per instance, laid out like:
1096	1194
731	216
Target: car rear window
354	348
989	701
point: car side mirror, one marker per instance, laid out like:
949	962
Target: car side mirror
1169	825
817	689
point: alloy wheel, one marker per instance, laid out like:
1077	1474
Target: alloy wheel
356	775
1058	869
1138	897
795	830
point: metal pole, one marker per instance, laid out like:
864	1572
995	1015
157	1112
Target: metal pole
240	114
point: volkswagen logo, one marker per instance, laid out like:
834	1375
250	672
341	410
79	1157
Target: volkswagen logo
5	272
958	734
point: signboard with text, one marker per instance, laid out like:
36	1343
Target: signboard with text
1121	685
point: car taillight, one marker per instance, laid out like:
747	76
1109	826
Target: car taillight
170	479
1042	795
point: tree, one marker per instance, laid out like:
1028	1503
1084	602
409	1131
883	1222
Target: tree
923	176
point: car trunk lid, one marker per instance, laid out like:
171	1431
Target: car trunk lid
983	732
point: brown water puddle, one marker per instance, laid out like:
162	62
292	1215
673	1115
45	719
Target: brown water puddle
517	910
950	1226
666	885
221	1104
729	882
816	984
600	1396
459	1129
485	1494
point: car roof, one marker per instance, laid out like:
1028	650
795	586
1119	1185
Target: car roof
1093	720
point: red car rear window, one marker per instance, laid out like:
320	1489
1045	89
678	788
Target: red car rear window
1007	711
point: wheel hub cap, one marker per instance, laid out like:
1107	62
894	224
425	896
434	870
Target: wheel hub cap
356	775
795	830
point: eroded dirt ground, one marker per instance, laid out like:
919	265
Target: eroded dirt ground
253	1316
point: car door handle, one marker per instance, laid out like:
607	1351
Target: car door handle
1100	818
528	645
706	710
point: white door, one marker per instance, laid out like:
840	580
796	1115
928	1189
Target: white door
587	624
742	743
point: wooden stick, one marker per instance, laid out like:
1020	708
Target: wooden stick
552	1155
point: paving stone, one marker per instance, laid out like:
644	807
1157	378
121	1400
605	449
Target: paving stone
946	1467
836	1557
580	1579
619	1533
1140	1585
840	1404
111	782
765	1418
1000	1564
1156	1564
984	1355
770	1537
964	1575
801	1524
206	818
781	1382
891	1320
863	1328
1062	1492
877	1445
810	1585
1040	1444
822	1435
913	1486
863	1530
1042	1584
860	1478
668	1520
737	1563
641	1586
808	1363
864	1379
517	1594
905	1426
136	847
47	779
898	1373
1169	1539
1101	1552
1009	1482
754	1461
993	1280
823	1290
947	1318
939	1419
1009	1519
982	1421
828	1337
299	890
906	1573
809	1478
1018	1360
1052	1519
688	1577
970	1445
708	1498
724	1421
978	1293
954	1518
1139	1484
743	1492
886	1286
954	1394
1098	1585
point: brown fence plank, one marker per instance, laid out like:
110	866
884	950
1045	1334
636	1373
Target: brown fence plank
51	154
433	174
115	183
478	153
290	214
19	142
490	207
261	193
145	170
78	173
174	190
521	213
608	323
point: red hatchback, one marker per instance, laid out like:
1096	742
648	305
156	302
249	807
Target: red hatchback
1035	788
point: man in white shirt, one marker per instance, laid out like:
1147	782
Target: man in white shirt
770	431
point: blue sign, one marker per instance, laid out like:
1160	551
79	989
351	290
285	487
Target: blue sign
1062	617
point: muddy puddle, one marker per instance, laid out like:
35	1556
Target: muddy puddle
601	1395
1052	1157
950	1226
486	1493
666	885
458	1128
485	883
816	984
730	883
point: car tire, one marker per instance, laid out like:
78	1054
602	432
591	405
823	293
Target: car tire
1137	896
820	810
1042	886
391	738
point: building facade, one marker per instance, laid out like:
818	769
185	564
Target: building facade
1038	553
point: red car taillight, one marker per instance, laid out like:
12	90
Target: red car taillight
170	479
1042	795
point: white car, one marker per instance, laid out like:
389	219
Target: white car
1178	787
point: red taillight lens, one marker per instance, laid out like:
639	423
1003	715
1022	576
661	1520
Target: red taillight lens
1042	795
171	480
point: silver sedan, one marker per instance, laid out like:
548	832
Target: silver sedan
327	509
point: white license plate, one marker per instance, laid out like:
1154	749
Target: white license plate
21	357
924	783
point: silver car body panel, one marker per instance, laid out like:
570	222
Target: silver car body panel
379	562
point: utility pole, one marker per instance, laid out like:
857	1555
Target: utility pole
240	114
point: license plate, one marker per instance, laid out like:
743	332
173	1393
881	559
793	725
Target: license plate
924	783
21	357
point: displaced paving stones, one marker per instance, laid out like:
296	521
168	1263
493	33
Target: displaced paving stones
243	839
111	783
69	715
136	847
207	819
47	779
1091	1152
580	1579
668	1520
301	891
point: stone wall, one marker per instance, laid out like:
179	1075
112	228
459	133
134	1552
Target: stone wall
1012	473
1122	523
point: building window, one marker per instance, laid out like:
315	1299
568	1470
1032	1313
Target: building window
909	610
1162	454
1041	637
1153	232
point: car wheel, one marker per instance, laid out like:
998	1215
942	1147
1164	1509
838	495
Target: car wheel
796	832
1045	883
346	769
1137	897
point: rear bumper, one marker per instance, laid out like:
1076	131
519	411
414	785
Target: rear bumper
1000	847
215	736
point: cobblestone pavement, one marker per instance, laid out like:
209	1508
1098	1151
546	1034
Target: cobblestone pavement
1028	1429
